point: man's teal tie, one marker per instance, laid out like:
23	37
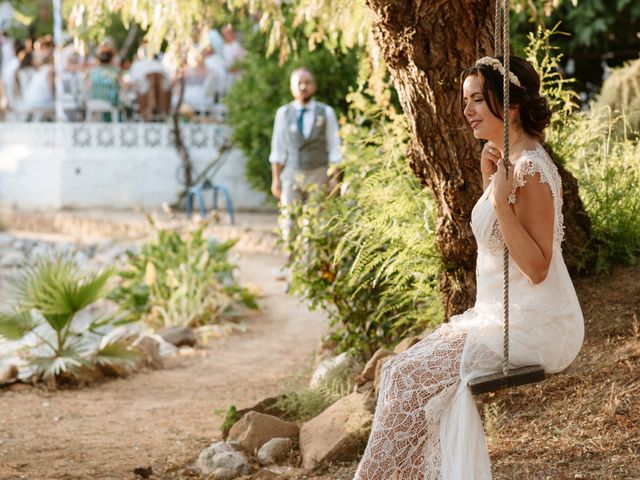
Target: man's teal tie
300	118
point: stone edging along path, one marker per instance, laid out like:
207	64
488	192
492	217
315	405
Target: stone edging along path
255	232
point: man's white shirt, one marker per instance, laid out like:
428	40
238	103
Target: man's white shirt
279	138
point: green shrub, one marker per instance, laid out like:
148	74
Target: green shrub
601	154
368	257
179	280
264	86
608	172
46	298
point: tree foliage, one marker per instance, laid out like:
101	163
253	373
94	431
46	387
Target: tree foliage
178	23
597	33
599	152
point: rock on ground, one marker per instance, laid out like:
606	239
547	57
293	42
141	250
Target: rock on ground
179	336
338	433
255	429
369	371
274	450
222	462
335	369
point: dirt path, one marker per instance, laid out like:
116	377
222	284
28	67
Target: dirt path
163	417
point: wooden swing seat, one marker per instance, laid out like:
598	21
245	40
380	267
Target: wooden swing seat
514	377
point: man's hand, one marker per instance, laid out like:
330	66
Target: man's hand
276	188
276	184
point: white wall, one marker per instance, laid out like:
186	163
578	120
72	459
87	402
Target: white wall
82	165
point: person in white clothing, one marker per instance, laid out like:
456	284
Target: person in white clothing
10	65
216	66
304	144
195	72
426	424
233	53
144	64
39	93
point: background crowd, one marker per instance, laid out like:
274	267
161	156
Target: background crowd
100	84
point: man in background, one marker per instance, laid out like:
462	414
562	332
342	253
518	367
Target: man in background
304	144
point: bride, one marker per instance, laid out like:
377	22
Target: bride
426	424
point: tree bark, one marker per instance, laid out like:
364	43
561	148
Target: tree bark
183	153
426	45
128	41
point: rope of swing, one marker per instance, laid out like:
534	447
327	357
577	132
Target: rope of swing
502	44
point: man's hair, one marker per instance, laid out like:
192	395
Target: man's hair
302	69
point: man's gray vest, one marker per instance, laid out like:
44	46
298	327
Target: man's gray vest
311	152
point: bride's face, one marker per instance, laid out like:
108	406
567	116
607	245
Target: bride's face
485	125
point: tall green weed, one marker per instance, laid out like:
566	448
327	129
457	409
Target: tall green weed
179	279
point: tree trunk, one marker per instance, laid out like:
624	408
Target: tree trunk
183	153
128	41
426	45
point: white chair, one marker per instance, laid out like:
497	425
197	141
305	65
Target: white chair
212	89
95	106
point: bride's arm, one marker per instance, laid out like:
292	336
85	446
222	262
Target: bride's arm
527	226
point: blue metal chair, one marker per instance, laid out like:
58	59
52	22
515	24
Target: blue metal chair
198	192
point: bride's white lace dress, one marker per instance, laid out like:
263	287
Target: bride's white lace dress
426	425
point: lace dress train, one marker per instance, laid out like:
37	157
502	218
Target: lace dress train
414	387
421	405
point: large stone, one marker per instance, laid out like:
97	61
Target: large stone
8	374
369	371
12	258
222	462
406	344
379	366
335	369
179	336
149	349
255	429
337	434
266	406
274	450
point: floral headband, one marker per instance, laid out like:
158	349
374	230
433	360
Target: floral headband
497	65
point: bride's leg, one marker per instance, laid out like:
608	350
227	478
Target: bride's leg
414	388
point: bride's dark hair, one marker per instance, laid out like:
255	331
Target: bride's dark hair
535	113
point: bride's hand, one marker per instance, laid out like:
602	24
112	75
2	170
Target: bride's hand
489	158
502	186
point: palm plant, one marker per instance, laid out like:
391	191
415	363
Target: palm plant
43	315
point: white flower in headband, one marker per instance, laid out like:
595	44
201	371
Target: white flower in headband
497	65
